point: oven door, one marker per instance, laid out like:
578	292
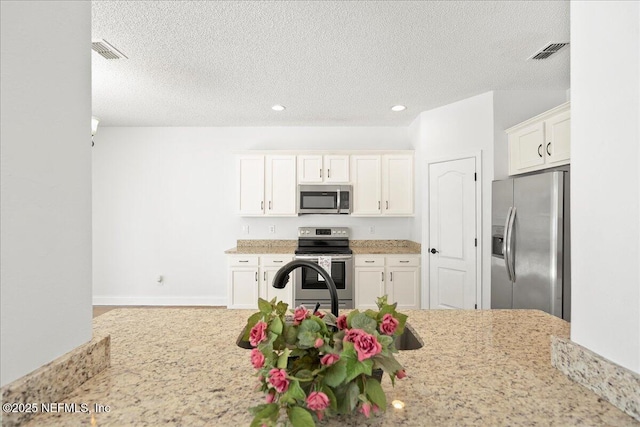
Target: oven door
311	286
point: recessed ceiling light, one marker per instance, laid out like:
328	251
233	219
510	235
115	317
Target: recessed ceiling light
278	107
398	108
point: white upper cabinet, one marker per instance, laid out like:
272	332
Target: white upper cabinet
382	184
366	173
541	142
397	184
267	185
251	171
317	168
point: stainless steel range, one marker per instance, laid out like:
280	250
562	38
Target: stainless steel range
316	244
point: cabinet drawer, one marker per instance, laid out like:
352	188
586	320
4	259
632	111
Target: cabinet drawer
403	261
274	261
369	261
243	260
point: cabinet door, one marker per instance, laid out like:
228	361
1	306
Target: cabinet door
281	185
251	171
558	133
243	289
369	285
397	185
403	287
309	169
285	294
526	149
366	175
336	168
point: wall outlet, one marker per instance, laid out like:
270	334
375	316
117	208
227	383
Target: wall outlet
245	229
272	229
372	229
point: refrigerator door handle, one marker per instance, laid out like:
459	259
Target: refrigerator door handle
512	264
505	240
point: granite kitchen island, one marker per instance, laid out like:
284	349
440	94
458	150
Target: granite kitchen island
485	367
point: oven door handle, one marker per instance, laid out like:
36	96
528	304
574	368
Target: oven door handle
333	257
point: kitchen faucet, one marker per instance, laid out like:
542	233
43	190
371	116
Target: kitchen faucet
282	277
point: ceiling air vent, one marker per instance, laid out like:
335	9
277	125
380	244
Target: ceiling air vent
107	50
548	50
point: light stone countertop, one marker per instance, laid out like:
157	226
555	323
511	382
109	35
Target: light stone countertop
284	247
180	366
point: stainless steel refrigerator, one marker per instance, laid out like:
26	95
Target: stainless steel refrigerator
530	256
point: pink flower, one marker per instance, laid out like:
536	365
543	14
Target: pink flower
342	322
401	374
365	408
318	343
257	358
353	334
376	409
389	324
329	359
258	333
320	315
270	397
317	401
300	314
278	379
366	346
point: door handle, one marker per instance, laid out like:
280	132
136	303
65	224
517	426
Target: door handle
548	145
539	148
434	251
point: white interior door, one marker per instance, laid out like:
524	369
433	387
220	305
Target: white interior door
452	234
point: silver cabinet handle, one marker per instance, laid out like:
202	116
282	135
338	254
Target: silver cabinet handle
387	202
243	260
548	145
265	276
256	276
391	276
269	204
368	261
262	205
404	262
378	204
278	261
328	173
320	173
382	278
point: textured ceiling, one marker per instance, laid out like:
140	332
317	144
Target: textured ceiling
196	63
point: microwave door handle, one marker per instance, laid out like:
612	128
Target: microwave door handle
338	200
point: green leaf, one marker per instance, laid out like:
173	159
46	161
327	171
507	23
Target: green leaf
300	417
352	396
309	325
281	308
375	393
307	339
329	319
388	364
267	411
283	359
333	402
251	322
364	322
336	373
385	340
402	320
264	306
276	326
295	391
354	367
351	316
290	334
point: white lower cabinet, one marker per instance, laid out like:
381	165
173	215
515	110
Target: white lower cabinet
251	276
397	276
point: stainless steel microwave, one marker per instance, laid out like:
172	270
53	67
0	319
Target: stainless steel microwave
324	199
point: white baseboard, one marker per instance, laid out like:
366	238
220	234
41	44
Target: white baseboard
155	300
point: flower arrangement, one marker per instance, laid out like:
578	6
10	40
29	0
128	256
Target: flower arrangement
318	365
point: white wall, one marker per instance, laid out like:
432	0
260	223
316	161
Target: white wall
164	203
605	184
46	182
459	129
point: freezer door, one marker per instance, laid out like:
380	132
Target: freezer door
501	203
537	235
